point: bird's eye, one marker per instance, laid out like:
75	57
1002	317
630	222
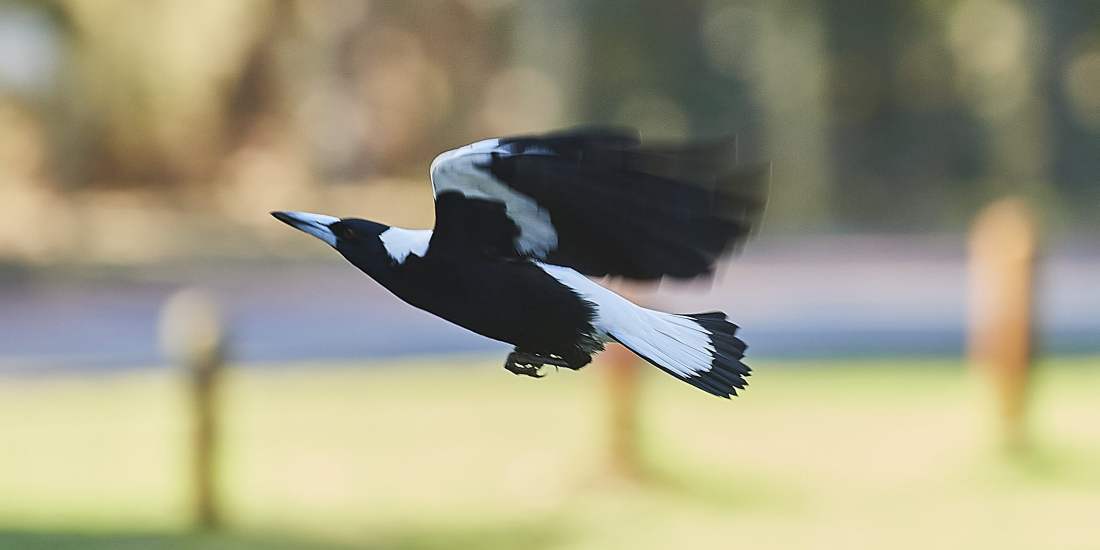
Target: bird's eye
344	232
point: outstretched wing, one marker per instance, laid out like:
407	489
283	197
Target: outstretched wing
598	201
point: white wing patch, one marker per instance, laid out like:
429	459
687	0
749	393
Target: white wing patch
457	170
399	243
675	342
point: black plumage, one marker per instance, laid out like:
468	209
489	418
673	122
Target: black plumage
631	211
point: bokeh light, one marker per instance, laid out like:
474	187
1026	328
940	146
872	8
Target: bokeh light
1082	86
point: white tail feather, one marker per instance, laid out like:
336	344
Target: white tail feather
672	341
699	349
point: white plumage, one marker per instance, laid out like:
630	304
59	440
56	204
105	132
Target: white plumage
675	342
399	243
460	170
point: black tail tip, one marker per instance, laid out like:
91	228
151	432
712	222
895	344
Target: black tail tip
727	372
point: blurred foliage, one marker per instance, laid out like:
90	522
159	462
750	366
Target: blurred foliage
902	116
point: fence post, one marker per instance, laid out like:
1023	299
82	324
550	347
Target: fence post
623	401
622	379
192	335
1003	248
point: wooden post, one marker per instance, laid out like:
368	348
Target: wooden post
623	385
1003	247
192	335
622	403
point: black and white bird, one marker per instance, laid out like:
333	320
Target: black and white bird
522	222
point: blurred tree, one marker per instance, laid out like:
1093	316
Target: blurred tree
898	127
151	78
668	69
936	105
1070	81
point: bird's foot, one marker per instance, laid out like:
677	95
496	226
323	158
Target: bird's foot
522	363
529	364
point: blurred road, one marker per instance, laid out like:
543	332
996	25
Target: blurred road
855	296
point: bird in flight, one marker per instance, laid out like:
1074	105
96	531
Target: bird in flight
521	223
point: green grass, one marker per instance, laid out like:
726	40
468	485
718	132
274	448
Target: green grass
853	454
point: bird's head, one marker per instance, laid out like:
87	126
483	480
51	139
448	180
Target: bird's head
357	240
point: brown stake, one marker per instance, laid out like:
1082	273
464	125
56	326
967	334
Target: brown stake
192	335
1003	248
622	377
623	405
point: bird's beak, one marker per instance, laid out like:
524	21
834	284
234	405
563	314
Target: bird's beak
314	224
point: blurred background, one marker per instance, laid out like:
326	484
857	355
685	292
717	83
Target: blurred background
142	144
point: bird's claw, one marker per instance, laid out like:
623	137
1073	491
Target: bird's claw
530	365
526	370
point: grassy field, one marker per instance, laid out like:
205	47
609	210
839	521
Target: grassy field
840	455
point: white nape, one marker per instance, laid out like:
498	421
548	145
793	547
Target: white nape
461	170
675	342
399	243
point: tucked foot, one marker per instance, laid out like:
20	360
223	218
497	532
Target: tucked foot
530	364
514	366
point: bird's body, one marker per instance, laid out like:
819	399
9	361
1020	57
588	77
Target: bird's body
513	300
521	221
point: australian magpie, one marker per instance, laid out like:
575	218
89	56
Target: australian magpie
521	222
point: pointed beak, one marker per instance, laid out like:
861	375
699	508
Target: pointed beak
314	224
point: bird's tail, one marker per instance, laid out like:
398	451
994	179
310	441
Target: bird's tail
699	348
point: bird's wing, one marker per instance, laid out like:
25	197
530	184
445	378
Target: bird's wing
598	201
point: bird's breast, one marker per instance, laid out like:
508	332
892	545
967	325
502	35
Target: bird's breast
510	301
